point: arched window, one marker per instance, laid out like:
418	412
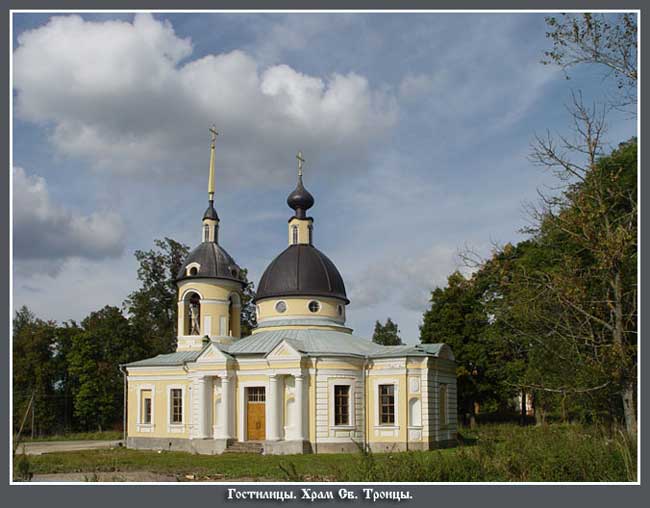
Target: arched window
294	232
206	233
311	233
193	314
216	234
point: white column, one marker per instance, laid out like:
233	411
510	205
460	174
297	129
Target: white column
225	415
273	433
299	413
201	429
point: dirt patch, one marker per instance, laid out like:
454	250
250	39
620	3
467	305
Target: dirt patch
125	476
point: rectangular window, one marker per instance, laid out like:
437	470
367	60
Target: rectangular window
176	405
386	404
443	405
146	407
341	405
256	394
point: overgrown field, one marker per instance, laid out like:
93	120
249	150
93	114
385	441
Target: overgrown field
555	453
106	435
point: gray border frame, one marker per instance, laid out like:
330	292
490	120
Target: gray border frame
480	495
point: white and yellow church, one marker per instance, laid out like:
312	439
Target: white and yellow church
301	382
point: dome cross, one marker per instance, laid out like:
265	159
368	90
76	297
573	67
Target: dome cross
301	160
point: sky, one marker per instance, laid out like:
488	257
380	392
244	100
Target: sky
416	130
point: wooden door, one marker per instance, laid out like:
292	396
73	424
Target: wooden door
255	413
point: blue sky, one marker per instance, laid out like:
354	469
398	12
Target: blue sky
416	130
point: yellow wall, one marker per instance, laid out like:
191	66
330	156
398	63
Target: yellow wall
297	307
389	371
215	309
303	230
159	387
211	235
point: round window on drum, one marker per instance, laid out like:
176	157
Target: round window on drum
313	306
281	306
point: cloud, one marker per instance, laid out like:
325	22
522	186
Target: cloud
295	33
405	281
46	235
413	86
128	98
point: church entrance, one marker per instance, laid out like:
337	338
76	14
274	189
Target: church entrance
255	413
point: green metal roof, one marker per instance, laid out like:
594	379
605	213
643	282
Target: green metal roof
312	342
315	342
171	359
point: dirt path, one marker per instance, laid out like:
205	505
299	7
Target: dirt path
38	448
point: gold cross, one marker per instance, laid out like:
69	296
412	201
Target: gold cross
300	161
214	132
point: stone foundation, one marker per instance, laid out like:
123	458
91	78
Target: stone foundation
286	447
335	448
217	446
174	444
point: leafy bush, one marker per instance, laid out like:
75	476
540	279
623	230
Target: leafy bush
555	453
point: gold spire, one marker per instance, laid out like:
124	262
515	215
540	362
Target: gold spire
214	132
300	161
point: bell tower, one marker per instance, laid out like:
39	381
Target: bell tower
209	283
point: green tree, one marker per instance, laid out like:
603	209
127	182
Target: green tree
104	341
33	372
153	308
457	317
595	284
386	334
248	314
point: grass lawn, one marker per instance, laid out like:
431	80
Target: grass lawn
107	435
492	453
233	465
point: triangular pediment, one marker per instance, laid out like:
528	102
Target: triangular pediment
212	354
284	351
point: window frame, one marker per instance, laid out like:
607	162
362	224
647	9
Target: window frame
146	409
381	404
171	425
275	307
341	418
319	307
141	426
351	384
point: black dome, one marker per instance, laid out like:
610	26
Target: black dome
210	212
301	270
300	199
214	263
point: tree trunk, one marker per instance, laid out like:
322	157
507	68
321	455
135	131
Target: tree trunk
627	394
475	410
628	409
538	411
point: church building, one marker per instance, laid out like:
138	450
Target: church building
302	382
